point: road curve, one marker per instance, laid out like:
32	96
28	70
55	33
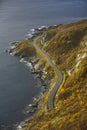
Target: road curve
50	103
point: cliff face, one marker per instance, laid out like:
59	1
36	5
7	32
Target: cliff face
67	47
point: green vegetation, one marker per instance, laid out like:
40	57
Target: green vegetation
25	49
50	34
66	43
67	47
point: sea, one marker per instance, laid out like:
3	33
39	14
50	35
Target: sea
18	86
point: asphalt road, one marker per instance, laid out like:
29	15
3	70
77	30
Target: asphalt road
50	103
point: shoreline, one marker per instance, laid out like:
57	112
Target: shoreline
35	106
54	91
36	103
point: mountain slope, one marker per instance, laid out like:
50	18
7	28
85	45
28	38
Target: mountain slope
67	47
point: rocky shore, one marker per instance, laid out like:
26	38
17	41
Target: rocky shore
39	74
35	106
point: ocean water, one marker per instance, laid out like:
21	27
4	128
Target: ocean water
17	17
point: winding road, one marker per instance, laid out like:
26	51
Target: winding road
50	103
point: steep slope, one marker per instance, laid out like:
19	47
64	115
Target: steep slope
67	47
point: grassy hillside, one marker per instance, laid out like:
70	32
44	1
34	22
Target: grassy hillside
24	49
67	47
